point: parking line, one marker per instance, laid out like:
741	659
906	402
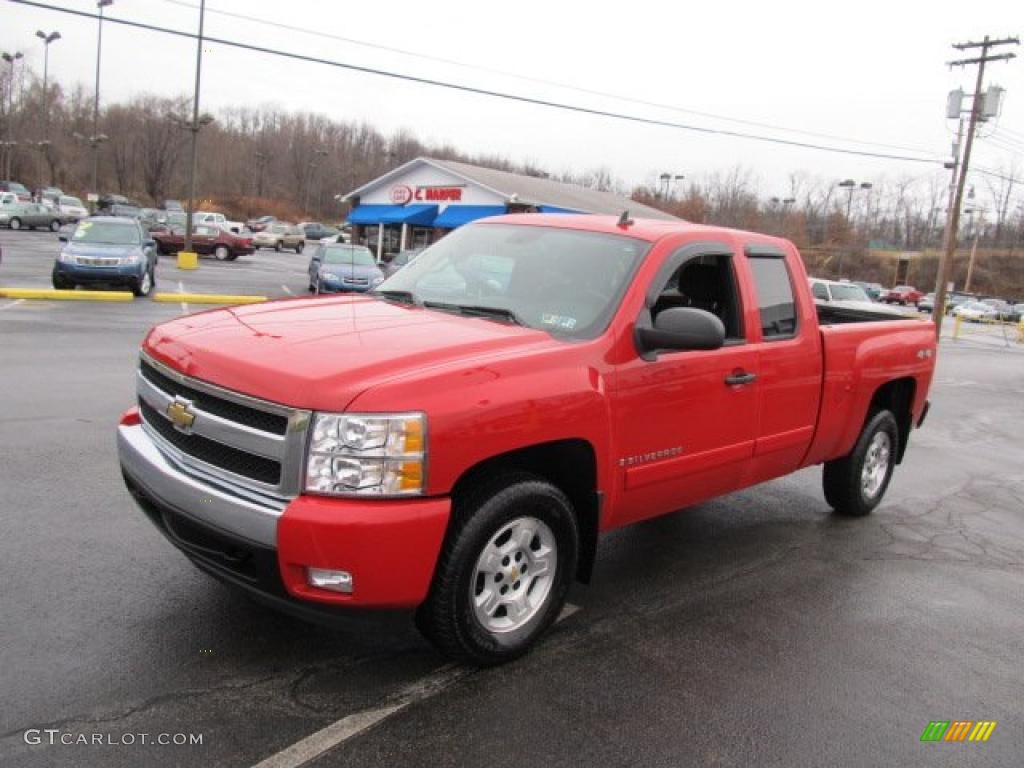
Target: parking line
14	303
287	289
303	751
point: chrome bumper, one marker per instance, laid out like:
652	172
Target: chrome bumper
208	503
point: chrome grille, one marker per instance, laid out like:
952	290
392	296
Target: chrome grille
90	261
253	447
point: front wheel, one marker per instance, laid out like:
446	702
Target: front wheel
144	285
15	223
62	283
55	226
504	571
299	247
278	246
855	484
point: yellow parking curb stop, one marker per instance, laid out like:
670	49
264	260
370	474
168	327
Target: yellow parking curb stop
188	260
207	298
47	293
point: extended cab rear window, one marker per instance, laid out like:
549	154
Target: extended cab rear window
775	299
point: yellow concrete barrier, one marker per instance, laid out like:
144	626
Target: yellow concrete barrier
55	295
188	260
207	298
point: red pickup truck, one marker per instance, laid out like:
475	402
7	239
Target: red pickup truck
455	441
901	294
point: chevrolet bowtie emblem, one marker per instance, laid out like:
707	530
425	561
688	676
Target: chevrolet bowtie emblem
180	415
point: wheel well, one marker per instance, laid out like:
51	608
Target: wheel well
569	465
897	396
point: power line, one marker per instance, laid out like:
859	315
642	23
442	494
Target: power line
544	81
484	91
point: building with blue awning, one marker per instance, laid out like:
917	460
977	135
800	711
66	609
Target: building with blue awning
419	202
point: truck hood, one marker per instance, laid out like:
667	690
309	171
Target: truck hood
321	353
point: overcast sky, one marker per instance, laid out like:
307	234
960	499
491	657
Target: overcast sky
870	71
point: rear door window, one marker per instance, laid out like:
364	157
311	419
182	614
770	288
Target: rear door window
775	299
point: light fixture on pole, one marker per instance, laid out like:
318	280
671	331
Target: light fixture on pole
52	37
9	143
100	4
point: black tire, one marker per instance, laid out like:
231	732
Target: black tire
55	226
299	247
232	256
447	618
843	479
62	283
14	223
278	246
145	285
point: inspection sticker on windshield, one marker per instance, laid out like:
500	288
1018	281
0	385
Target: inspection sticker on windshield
83	228
559	321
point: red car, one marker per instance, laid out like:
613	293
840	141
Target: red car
456	440
223	245
901	294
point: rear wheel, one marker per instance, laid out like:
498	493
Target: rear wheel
299	246
221	253
15	223
504	571
54	226
855	484
278	246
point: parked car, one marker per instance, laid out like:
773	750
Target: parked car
975	311
901	294
402	259
152	218
314	230
217	220
107	250
24	196
173	205
124	210
279	236
1017	313
460	453
873	290
8	198
106	201
927	303
343	268
260	224
30	216
71	209
955	298
206	239
1003	308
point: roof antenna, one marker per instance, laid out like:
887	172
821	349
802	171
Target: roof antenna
624	220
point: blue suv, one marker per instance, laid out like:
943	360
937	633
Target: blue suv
107	250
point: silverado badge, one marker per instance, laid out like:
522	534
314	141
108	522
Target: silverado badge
180	415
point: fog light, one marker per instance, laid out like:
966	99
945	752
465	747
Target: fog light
323	578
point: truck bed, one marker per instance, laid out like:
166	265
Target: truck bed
830	314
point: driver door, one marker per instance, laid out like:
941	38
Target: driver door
686	420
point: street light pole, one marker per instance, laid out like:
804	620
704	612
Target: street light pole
850	186
100	4
195	132
47	39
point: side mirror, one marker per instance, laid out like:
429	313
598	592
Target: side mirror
62	238
150	243
682	328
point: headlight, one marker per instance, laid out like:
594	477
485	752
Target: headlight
367	454
325	275
132	259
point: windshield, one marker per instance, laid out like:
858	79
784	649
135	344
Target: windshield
562	281
71	201
111	232
845	292
347	254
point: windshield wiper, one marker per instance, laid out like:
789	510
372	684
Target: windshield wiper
500	313
406	297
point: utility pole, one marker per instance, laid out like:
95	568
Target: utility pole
945	271
95	141
195	125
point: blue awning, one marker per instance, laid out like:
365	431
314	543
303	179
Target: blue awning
422	215
456	215
556	209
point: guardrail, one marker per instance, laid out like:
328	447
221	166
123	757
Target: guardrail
1009	332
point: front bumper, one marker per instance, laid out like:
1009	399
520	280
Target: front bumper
126	274
340	286
389	546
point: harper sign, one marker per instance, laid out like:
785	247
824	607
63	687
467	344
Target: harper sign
402	194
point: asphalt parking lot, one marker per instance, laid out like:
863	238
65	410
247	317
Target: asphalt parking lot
756	630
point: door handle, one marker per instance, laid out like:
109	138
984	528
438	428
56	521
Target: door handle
739	379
